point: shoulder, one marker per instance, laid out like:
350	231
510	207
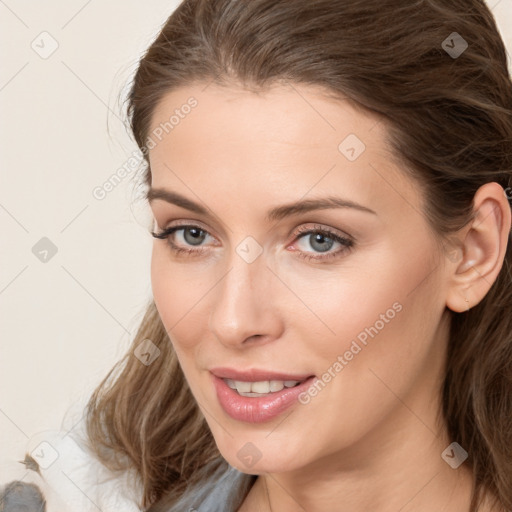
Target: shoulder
58	469
221	490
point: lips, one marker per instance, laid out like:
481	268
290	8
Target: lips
255	375
251	406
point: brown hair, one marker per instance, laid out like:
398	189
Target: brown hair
450	125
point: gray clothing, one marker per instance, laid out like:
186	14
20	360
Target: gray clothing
223	491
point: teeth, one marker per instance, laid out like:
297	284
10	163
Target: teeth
230	383
276	385
243	387
261	387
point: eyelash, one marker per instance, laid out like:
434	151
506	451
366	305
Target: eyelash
347	243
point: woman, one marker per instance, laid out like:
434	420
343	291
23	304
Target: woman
331	326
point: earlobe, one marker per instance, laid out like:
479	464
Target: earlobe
483	247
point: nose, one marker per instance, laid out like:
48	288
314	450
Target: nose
246	310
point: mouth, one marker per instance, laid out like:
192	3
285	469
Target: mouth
257	396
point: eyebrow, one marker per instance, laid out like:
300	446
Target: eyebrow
276	213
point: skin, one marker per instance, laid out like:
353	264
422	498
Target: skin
371	439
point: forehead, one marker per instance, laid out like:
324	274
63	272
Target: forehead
287	114
279	144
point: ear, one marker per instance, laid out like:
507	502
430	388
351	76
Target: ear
482	246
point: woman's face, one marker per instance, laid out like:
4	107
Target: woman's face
347	298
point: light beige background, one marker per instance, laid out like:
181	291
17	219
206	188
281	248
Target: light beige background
67	320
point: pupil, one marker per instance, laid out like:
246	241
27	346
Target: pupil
196	235
321	238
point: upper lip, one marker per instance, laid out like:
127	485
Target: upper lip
256	375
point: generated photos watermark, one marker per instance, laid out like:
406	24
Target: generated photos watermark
133	162
356	347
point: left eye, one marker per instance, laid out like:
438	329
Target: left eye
196	235
320	239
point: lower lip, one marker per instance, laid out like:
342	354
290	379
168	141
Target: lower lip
257	409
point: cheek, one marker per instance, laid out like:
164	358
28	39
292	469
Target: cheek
174	299
385	339
361	325
183	295
173	294
328	308
163	287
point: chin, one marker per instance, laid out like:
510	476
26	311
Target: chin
259	457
